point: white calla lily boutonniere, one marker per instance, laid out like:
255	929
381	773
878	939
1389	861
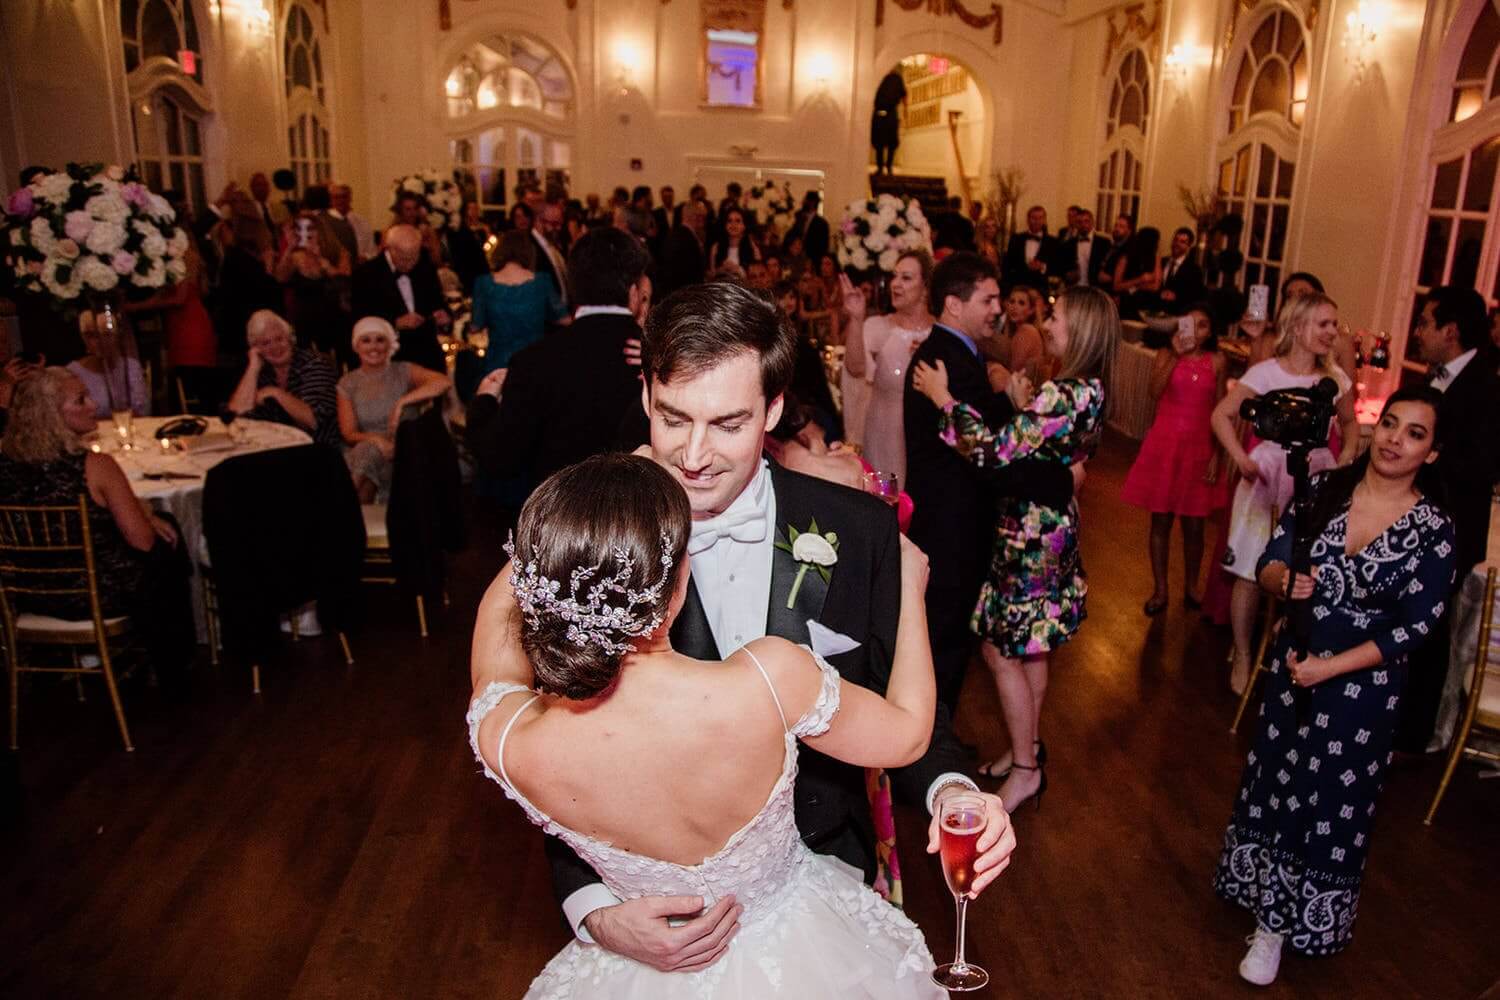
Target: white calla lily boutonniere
813	551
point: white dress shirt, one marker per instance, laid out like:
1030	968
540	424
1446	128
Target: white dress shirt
364	235
403	285
583	311
1085	250
1033	246
1451	370
732	574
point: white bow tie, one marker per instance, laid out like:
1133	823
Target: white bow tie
743	526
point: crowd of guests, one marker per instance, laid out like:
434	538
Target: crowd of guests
978	376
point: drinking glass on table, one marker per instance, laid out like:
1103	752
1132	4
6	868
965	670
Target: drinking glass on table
124	427
884	486
959	828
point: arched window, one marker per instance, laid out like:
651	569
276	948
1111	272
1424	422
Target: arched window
164	75
1461	239
511	116
309	142
1120	166
1257	158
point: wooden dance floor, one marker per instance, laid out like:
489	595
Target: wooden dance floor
333	838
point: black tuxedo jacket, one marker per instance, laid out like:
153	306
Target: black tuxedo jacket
1186	285
862	600
563	399
1469	463
682	262
814	232
1014	268
375	293
1098	251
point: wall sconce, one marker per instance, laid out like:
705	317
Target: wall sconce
255	15
1177	63
627	64
820	67
1362	28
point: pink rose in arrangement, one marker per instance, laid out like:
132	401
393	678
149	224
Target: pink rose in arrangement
77	226
20	203
123	262
137	195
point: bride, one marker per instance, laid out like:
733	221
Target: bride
672	776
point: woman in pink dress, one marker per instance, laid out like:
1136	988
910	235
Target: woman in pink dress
1176	473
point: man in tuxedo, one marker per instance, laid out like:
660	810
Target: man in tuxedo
954	502
546	231
364	235
664	219
683	258
401	285
812	227
565	393
717	359
1181	277
1085	252
1452	336
1033	255
274	214
1124	229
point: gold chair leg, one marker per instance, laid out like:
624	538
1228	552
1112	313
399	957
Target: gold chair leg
255	679
114	697
348	654
1257	665
421	616
293	619
1460	738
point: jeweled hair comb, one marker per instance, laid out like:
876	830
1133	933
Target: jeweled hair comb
591	618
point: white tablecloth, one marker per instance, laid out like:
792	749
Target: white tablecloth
1468	608
1131	408
183	497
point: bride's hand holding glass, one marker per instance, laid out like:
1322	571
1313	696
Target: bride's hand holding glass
932	382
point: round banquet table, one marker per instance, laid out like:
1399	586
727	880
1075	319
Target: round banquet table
1468	614
171	481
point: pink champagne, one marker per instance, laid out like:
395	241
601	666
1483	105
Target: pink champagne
959	840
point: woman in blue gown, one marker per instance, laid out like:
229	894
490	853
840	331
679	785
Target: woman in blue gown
1294	853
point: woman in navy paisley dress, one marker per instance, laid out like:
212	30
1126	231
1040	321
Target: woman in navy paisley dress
1294	852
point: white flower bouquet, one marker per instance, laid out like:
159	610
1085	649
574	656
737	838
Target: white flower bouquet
438	192
774	206
875	232
92	230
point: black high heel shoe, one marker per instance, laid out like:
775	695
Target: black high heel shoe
1040	789
988	770
1155	606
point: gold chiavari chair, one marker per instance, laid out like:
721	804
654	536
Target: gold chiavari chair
1272	607
48	551
1482	708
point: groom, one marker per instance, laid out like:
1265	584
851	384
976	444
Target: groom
717	359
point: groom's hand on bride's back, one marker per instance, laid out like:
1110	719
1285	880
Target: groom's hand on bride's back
641	929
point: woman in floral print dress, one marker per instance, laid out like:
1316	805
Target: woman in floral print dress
1294	853
1033	598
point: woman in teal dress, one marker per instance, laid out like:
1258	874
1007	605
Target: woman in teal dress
511	303
1033	598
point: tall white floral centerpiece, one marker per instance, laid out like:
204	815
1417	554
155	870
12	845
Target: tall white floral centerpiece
93	233
875	232
438	192
774	206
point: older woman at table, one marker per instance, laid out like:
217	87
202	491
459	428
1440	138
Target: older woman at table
142	569
285	383
371	400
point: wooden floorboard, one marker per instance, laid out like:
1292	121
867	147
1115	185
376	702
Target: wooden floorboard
333	838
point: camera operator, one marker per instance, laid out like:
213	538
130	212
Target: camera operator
1309	330
1382	563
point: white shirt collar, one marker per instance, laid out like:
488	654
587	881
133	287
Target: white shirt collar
755	495
1454	367
583	311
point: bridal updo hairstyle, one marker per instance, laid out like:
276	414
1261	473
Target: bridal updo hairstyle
574	521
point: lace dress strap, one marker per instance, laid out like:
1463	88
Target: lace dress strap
767	678
482	706
816	720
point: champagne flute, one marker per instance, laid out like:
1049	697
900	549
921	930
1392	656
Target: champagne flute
884	486
961	823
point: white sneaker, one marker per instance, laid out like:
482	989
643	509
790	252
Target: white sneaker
1263	959
90	661
307	621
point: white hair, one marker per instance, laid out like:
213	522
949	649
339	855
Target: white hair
264	321
375	326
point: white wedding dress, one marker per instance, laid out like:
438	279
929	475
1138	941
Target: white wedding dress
810	927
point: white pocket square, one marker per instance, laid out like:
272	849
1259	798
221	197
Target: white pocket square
826	642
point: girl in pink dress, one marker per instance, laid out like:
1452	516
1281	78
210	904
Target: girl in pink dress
1176	473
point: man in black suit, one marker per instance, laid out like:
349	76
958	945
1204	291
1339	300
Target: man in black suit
954	502
1181	277
1032	256
683	257
1086	252
401	285
812	227
565	394
547	233
1124	229
950	229
1452	336
717	359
